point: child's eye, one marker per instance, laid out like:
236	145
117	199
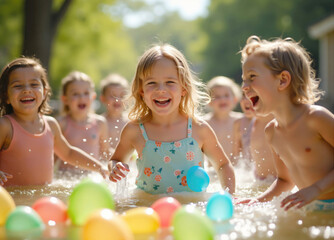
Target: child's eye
17	86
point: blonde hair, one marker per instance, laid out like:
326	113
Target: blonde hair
286	54
194	97
73	77
221	81
23	62
113	79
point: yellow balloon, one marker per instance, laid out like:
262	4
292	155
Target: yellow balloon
142	220
7	205
105	224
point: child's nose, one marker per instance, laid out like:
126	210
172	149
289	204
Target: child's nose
161	87
245	86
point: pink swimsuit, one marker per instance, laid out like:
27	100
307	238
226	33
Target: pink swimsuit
29	157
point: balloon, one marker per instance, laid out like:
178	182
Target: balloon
142	220
191	224
51	209
220	206
7	205
24	220
166	207
105	224
197	178
87	197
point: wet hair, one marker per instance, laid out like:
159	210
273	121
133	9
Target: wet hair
113	79
222	81
23	62
195	95
71	78
287	55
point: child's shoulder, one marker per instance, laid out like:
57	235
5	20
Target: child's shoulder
98	118
5	124
236	115
318	114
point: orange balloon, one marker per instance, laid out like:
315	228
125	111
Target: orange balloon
142	220
7	205
105	224
51	209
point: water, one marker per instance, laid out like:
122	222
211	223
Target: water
258	221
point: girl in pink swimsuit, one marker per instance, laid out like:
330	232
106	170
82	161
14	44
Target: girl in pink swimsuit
80	125
28	138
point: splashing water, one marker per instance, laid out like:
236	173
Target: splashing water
257	221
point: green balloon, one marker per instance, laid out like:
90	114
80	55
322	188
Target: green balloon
191	224
87	197
24	221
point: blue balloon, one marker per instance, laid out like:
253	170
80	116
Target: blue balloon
220	206
197	178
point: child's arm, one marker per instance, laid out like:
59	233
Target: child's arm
124	149
5	131
71	154
212	148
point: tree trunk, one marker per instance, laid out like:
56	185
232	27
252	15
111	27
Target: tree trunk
40	25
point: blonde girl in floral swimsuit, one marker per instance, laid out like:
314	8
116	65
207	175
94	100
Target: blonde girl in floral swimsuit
164	129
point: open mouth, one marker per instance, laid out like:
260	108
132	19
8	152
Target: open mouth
254	100
162	102
27	100
82	106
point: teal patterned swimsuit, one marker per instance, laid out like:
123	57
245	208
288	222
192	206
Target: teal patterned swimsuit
163	166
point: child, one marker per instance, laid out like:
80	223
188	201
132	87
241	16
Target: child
163	128
80	126
113	90
242	128
225	95
278	79
261	153
28	138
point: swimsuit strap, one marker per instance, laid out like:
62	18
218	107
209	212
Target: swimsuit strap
190	127
143	131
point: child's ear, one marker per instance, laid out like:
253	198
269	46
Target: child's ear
285	80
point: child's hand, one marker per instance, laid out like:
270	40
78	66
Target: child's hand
4	177
301	198
248	201
116	173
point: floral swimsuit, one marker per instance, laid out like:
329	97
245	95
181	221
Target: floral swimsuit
163	166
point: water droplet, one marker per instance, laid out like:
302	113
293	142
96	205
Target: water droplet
116	126
228	136
29	150
84	140
300	222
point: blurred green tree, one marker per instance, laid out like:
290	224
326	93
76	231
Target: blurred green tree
231	22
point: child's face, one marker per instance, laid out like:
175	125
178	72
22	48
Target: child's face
79	97
259	85
162	90
246	107
25	90
223	99
113	98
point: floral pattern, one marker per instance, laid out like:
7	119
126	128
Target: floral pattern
163	166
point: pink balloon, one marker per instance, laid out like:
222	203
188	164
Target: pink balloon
51	209
165	207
